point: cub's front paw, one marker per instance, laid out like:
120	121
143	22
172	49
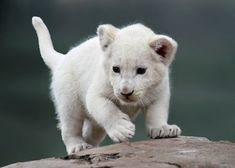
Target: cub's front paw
74	148
164	131
121	129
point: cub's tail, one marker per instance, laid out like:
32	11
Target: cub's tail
48	53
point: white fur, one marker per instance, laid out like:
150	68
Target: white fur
88	93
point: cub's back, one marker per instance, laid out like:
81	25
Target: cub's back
82	63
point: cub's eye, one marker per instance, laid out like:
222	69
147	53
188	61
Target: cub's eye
140	71
116	69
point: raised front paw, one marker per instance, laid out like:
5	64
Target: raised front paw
121	129
164	131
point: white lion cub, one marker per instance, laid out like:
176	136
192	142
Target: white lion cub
100	85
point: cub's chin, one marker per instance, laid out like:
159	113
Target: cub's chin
128	103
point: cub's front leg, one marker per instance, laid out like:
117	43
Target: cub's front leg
156	118
116	123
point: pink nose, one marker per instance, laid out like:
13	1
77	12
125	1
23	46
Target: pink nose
127	94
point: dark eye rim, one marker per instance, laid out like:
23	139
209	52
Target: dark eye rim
116	69
141	71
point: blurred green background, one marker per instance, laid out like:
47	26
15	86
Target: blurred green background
203	80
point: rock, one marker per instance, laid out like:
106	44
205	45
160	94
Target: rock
164	153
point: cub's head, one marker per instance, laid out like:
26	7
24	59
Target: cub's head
136	60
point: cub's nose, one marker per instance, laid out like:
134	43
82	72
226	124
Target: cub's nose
127	94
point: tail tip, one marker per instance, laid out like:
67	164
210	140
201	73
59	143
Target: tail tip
37	21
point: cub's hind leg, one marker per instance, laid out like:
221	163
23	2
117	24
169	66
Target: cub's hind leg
70	114
93	133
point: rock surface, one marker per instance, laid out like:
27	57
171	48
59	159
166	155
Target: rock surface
163	153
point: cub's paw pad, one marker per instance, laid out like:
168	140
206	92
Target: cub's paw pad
71	149
121	130
165	131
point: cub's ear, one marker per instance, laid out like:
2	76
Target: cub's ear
106	34
165	47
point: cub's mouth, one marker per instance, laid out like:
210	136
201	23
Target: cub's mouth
127	99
